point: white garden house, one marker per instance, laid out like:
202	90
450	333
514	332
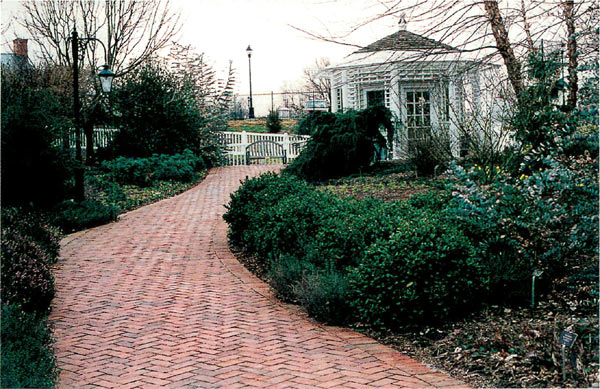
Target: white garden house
425	83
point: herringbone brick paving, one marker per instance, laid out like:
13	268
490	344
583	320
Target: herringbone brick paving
158	300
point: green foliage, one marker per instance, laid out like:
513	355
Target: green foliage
27	350
325	295
342	143
29	248
426	270
146	171
159	115
274	122
72	216
314	120
311	239
540	221
35	226
540	123
34	168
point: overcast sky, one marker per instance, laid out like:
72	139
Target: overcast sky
224	28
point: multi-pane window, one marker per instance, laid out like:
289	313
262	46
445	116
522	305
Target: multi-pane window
340	99
418	115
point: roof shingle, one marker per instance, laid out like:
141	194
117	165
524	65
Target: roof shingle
407	41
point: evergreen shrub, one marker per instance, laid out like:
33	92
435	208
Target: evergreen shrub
25	271
342	143
71	216
27	350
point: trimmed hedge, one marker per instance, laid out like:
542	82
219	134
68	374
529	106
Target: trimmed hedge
145	171
331	254
72	216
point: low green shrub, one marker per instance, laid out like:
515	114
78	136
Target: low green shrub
311	239
145	171
427	270
325	295
35	226
27	350
25	272
285	272
273	122
257	194
71	216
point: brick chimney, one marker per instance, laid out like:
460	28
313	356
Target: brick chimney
20	47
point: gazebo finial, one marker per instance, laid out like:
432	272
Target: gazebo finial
402	21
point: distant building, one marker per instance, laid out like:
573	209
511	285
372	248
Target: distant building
423	82
19	57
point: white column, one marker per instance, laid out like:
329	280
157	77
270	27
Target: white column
455	110
345	100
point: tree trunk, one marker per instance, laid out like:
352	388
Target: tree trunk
571	53
513	66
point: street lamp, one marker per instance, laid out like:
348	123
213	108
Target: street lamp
106	76
251	109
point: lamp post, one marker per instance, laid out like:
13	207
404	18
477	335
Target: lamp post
106	76
251	108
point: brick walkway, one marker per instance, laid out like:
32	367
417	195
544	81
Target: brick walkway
157	300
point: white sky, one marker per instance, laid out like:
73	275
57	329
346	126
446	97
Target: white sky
224	28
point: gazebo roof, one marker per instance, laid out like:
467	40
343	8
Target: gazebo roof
404	40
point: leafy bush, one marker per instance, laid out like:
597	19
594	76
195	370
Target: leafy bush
310	239
342	146
426	271
25	271
27	355
274	122
313	120
72	216
34	168
159	115
145	171
34	226
533	222
325	295
254	195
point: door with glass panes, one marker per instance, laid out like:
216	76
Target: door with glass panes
418	116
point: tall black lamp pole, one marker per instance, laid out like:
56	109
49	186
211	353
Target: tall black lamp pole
106	77
251	109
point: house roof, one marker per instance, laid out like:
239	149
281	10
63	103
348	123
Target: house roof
404	40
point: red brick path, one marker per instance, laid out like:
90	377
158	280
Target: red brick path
158	300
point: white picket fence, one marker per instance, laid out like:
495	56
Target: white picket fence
101	137
236	143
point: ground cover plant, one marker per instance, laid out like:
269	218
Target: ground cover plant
29	247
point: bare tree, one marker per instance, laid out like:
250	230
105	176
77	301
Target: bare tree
320	87
571	51
489	29
213	95
132	30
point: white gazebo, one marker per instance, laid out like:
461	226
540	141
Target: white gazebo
425	83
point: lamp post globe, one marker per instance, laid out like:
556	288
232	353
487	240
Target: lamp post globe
251	108
106	78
